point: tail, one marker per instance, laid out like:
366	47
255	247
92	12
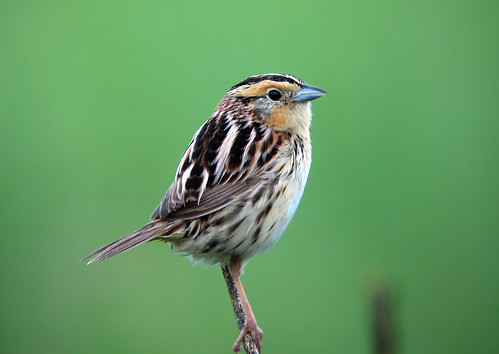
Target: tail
146	233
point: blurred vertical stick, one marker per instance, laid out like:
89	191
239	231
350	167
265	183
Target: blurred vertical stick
381	301
248	342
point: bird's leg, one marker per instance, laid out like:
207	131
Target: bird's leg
250	325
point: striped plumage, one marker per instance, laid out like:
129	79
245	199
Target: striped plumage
240	179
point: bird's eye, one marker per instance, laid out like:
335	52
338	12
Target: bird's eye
274	95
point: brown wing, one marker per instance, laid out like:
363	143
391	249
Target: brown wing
226	157
214	199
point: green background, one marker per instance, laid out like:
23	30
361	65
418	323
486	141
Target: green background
98	100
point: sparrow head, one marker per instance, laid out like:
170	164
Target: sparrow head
279	101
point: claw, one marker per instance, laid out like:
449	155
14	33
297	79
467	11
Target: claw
250	327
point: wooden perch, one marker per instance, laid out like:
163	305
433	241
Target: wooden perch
248	342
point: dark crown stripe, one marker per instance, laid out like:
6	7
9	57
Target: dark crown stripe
272	77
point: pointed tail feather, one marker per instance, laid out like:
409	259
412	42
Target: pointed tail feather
146	233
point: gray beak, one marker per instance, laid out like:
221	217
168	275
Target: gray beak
308	93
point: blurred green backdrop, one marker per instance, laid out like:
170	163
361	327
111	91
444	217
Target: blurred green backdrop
99	99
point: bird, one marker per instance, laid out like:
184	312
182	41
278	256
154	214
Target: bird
238	183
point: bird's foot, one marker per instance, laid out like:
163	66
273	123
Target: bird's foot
252	328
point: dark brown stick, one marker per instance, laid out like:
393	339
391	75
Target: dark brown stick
248	342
